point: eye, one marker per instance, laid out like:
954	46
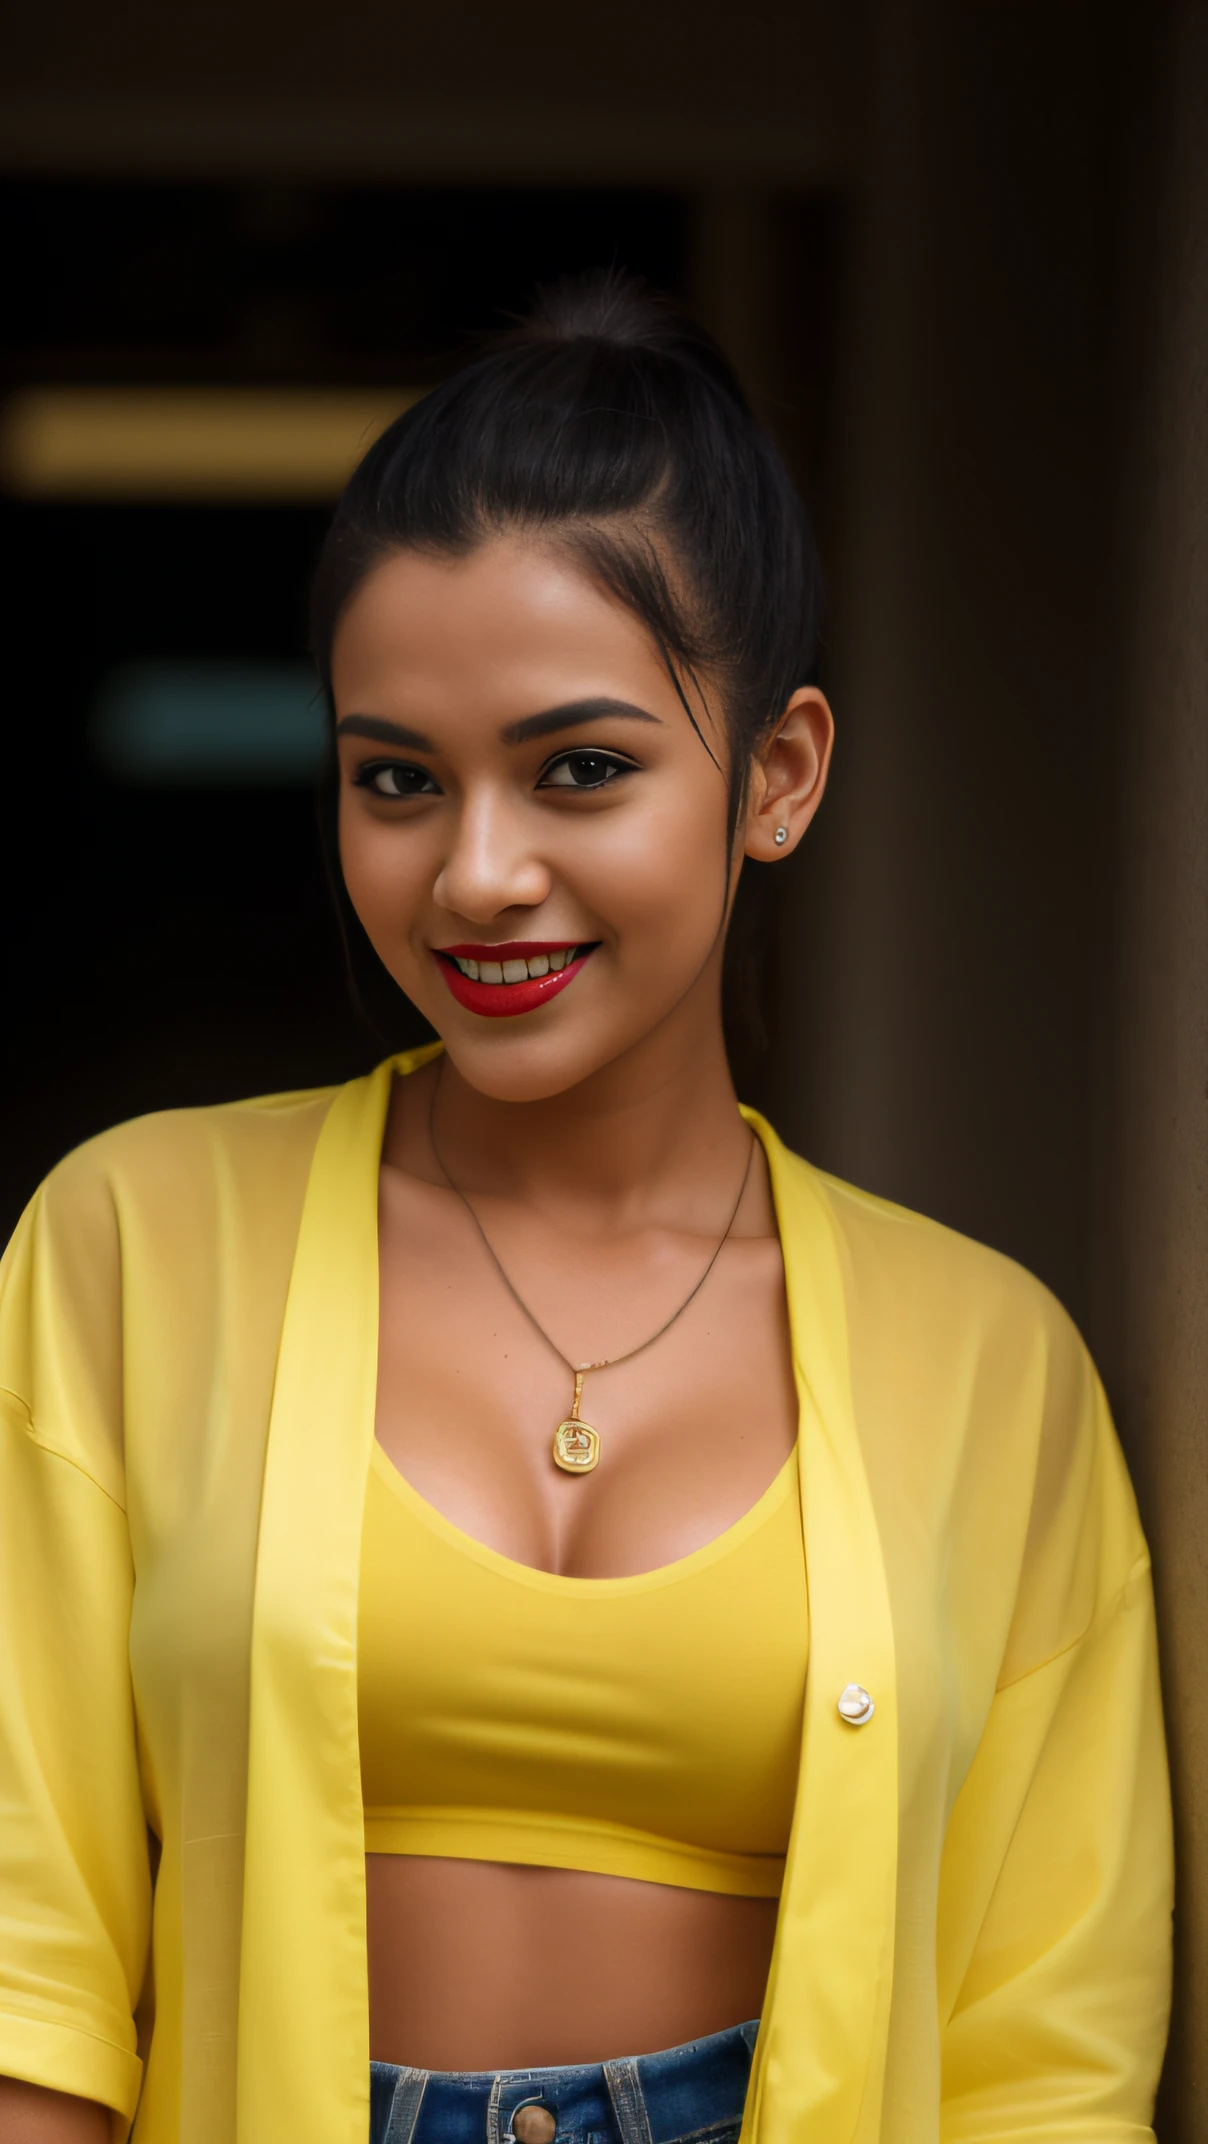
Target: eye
396	778
584	770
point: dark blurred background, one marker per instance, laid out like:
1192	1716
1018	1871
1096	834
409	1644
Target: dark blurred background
960	256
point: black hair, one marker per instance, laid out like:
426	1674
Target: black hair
612	425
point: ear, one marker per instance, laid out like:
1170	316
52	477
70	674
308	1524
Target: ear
788	776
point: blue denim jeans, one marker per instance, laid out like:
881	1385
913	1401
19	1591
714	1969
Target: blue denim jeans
685	2095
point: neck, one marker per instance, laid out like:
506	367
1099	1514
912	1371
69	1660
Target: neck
656	1131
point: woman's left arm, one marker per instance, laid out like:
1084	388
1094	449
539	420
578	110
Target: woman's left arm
1057	1880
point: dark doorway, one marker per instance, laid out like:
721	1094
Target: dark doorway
170	944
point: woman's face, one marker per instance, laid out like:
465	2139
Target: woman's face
531	832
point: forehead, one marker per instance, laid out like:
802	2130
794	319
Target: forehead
512	624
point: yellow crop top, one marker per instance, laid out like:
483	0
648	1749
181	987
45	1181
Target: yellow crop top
646	1727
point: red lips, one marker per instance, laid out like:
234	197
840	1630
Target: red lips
496	1001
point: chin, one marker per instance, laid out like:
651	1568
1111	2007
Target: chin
536	1058
524	1068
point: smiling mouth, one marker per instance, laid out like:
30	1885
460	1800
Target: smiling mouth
517	968
509	979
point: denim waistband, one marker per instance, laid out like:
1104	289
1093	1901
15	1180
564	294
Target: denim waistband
695	2092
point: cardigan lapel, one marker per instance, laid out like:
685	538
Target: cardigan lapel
303	2070
819	2062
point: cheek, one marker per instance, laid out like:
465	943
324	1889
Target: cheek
664	883
384	875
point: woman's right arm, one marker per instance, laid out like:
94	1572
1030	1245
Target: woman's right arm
30	2115
75	1875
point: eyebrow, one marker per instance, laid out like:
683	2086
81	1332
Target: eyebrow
383	732
571	715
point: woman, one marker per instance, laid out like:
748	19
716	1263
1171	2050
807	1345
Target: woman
565	1594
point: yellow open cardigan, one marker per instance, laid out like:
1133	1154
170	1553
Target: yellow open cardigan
973	1936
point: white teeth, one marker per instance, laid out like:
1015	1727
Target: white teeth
517	971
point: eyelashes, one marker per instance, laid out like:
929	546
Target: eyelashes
396	778
585	770
578	770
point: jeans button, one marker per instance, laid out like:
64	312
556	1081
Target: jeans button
534	2125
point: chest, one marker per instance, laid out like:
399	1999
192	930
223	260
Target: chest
692	1427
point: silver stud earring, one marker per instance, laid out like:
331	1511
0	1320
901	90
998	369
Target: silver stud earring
782	835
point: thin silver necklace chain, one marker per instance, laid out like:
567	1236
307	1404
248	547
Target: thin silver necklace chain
610	1362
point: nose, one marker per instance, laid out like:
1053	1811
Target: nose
490	865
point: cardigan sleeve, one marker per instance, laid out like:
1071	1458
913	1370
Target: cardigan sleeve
1057	1881
75	1882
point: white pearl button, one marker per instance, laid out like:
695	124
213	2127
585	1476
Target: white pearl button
855	1705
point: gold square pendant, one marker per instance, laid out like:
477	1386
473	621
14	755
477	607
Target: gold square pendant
576	1447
